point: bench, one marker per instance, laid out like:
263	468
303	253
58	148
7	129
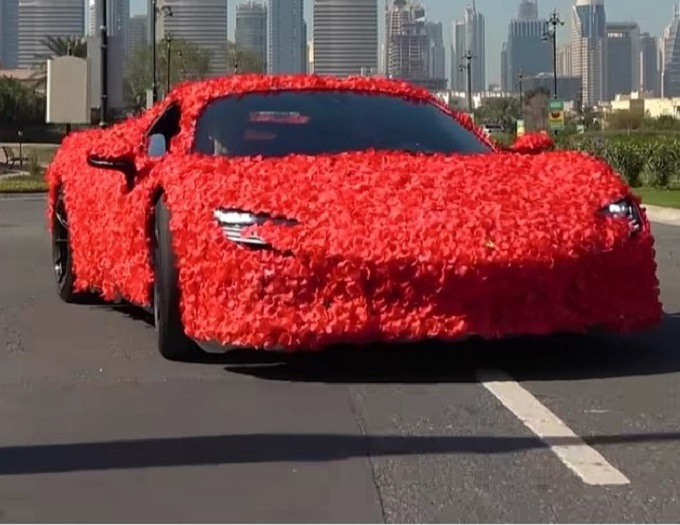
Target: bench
11	158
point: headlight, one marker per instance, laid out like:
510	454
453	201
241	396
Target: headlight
233	222
625	210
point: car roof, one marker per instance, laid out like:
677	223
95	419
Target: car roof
194	95
257	83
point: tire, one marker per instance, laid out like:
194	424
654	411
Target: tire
62	256
173	343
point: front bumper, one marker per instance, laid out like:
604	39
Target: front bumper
308	305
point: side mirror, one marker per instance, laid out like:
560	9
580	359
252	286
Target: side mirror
125	166
533	143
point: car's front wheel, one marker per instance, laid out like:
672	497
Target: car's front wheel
173	343
62	257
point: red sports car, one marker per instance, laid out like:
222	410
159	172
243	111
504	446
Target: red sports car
296	212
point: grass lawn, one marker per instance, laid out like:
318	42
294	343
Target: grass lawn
23	184
656	197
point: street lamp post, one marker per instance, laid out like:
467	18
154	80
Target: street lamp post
467	67
154	57
165	11
521	94
551	34
168	49
235	60
104	109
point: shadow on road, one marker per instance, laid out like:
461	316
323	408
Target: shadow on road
268	448
548	359
570	357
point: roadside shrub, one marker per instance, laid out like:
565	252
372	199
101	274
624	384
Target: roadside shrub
593	145
663	162
628	159
34	165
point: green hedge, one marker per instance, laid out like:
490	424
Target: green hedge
652	160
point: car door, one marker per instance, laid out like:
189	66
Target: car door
109	210
134	273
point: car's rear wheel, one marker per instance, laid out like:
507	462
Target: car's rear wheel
62	256
173	343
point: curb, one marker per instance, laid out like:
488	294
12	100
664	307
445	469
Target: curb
667	216
24	196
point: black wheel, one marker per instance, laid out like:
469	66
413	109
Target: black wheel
62	260
173	343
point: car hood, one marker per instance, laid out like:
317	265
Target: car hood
462	207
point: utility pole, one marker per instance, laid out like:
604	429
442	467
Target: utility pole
467	67
551	35
154	58
165	11
168	44
104	35
521	94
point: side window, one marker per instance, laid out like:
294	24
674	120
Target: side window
163	130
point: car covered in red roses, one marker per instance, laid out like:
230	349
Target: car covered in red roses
299	212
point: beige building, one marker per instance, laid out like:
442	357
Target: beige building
647	104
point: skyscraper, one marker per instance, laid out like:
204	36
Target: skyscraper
623	58
203	23
407	41
505	75
9	36
475	36
437	59
91	19
396	15
345	37
589	49
650	74
137	31
527	10
38	19
469	35
527	53
251	29
286	37
118	23
458	50
671	57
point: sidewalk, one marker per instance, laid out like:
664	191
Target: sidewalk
668	216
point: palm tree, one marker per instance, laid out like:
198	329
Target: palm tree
57	46
504	111
241	61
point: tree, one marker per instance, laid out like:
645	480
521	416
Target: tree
57	47
578	103
625	120
241	61
536	108
504	111
19	104
187	62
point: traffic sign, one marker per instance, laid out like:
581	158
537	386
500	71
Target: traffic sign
556	114
521	129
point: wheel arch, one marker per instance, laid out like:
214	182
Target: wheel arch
55	184
156	195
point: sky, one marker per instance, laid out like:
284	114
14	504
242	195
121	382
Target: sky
652	15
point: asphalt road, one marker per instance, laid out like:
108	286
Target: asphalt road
95	426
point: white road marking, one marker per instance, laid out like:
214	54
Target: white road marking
583	460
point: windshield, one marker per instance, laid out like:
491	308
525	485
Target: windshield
318	122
